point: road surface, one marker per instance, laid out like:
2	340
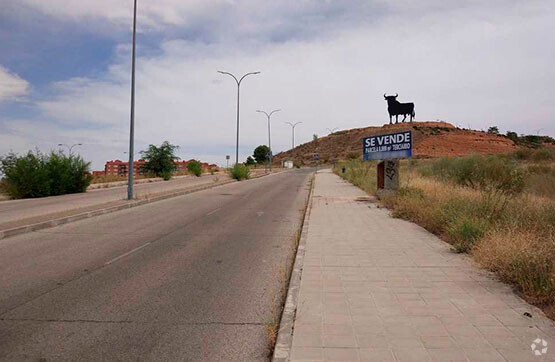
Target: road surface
188	278
12	211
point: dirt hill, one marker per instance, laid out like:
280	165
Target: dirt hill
430	139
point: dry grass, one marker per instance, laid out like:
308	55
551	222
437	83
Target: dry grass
272	324
284	275
514	238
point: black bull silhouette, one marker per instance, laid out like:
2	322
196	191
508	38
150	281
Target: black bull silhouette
395	108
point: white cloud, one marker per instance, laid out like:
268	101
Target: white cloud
479	65
11	85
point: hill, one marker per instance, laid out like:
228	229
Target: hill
430	139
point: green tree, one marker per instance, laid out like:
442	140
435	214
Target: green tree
194	167
512	136
261	153
160	160
250	161
493	130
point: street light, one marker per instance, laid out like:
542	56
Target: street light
331	131
131	169
269	139
238	87
293	132
70	148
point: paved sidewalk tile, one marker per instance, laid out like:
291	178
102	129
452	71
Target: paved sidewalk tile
375	288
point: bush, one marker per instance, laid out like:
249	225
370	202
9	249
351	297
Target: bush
166	175
544	154
465	231
39	175
194	167
239	172
160	159
540	154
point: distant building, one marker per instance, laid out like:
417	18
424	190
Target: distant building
119	168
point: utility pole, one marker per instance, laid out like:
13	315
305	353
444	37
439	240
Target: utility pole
130	167
293	132
238	89
70	148
268	115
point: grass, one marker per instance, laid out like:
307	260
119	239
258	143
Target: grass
499	209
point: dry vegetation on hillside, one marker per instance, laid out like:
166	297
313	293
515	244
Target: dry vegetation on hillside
500	209
431	139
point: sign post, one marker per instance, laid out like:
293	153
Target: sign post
388	149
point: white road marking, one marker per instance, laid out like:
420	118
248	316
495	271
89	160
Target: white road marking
129	252
214	211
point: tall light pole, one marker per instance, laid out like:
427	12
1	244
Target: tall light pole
238	88
131	168
70	148
293	132
268	115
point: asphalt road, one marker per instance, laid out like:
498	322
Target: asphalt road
189	278
12	210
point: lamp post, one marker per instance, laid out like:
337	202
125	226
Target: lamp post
331	131
70	148
238	88
293	132
268	115
131	168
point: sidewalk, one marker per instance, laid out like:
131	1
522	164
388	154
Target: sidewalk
375	288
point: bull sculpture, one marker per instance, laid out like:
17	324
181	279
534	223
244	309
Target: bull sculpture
395	108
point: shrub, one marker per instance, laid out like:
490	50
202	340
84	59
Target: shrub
250	161
544	154
194	167
465	231
353	155
166	175
160	159
39	175
493	130
497	178
239	172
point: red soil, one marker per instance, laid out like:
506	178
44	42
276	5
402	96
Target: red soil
430	139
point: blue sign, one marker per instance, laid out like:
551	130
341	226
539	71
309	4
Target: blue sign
387	146
316	156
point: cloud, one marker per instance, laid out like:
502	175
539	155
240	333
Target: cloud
12	87
470	64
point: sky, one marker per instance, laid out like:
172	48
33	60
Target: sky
65	70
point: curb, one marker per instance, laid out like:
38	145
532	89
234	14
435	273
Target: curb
282	349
